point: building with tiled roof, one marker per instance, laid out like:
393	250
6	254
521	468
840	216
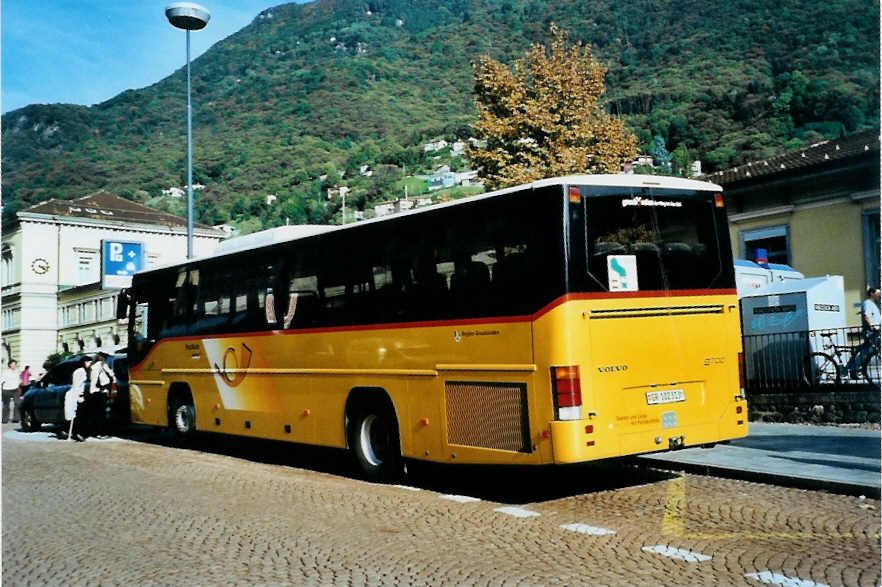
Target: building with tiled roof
107	209
815	208
58	290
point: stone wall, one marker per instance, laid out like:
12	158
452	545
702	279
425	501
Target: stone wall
842	405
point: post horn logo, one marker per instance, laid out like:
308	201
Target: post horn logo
234	366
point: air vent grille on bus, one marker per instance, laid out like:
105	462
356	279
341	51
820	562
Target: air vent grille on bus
655	311
488	415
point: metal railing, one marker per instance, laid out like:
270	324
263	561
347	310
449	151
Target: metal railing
810	360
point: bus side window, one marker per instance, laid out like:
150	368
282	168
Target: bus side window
174	318
301	306
430	289
470	284
207	317
302	296
511	275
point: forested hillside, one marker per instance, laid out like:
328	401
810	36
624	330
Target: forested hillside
308	93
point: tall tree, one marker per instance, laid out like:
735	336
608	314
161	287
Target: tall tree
543	118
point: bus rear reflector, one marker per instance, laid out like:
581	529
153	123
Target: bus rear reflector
741	372
567	389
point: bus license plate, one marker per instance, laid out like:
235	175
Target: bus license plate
666	396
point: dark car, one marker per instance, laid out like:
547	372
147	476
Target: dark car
43	403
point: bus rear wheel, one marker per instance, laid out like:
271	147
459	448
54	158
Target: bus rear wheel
373	439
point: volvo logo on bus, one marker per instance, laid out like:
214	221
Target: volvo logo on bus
612	368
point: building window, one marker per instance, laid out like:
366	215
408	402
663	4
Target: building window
871	246
8	319
70	316
774	239
106	309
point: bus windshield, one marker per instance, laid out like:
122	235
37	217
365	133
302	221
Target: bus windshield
651	240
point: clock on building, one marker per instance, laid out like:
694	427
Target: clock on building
40	266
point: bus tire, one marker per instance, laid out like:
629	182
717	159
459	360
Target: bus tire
182	414
374	442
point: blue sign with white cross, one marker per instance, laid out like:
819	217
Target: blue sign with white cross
119	261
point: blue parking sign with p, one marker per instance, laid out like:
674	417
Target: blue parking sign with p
120	260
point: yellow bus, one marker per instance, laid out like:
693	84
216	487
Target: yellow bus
571	319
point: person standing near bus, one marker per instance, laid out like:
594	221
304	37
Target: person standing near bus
11	391
25	379
75	396
870	320
101	380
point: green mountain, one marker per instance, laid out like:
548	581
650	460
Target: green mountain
307	93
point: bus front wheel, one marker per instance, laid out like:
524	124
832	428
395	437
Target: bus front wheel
373	439
182	416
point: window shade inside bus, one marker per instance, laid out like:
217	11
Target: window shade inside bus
668	240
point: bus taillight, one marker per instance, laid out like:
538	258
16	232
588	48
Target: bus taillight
567	389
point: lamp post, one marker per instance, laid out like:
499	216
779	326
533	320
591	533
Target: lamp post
190	17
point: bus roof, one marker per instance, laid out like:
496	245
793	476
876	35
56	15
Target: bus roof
282	234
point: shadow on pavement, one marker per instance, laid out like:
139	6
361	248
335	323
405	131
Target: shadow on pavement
862	446
508	484
829	463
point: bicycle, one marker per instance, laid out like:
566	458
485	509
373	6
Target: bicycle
825	368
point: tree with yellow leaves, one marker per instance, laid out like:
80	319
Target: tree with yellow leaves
542	118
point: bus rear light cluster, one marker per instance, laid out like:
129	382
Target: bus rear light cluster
739	409
567	389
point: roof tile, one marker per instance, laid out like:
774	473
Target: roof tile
822	153
103	205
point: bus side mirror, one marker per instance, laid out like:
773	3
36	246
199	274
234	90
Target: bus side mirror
122	304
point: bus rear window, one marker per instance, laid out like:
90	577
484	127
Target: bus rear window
653	240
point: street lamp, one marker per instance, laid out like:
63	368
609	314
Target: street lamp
190	17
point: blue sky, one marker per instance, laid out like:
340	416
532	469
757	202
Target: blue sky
87	51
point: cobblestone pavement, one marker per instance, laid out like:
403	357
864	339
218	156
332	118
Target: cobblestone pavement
140	512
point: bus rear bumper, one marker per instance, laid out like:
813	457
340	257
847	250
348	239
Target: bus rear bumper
578	441
570	442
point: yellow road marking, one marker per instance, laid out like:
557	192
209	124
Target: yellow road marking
675	504
675	508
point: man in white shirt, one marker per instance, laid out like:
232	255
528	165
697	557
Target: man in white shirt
870	319
11	393
75	395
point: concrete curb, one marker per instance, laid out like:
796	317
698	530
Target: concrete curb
839	487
